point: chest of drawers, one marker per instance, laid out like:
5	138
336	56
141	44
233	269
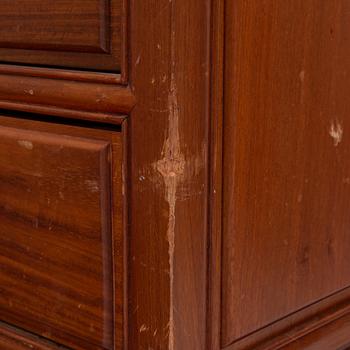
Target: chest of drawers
174	175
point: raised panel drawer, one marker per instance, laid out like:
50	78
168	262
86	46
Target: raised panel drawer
60	233
78	34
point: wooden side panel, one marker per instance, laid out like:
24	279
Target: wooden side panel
286	160
56	255
62	33
333	336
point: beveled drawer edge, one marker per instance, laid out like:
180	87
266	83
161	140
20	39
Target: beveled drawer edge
299	325
53	111
62	74
74	99
114	142
19	339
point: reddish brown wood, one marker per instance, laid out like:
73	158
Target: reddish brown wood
55	25
48	112
104	101
58	224
168	142
300	325
286	163
332	336
234	119
61	74
14	339
215	162
83	34
86	95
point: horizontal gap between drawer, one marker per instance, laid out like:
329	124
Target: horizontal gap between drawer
60	121
59	72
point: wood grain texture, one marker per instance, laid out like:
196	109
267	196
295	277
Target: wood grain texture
61	74
61	233
286	160
215	164
55	25
80	34
332	336
168	176
34	80
272	128
303	324
14	339
102	102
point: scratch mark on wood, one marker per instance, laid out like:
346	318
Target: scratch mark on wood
336	132
144	328
26	144
171	167
92	185
138	60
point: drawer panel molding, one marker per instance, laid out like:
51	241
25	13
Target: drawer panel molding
61	235
80	34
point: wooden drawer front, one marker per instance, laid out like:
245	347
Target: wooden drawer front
56	276
79	33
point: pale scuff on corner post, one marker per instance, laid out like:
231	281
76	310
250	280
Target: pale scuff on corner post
171	167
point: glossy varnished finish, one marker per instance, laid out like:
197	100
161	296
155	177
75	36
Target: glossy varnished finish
232	119
55	25
215	172
78	34
75	99
169	71
61	235
306	324
286	162
14	339
65	59
334	335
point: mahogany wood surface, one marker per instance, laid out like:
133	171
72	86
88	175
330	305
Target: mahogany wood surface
179	178
46	69
286	162
332	336
215	172
77	34
168	177
56	25
14	339
61	236
304	324
103	101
